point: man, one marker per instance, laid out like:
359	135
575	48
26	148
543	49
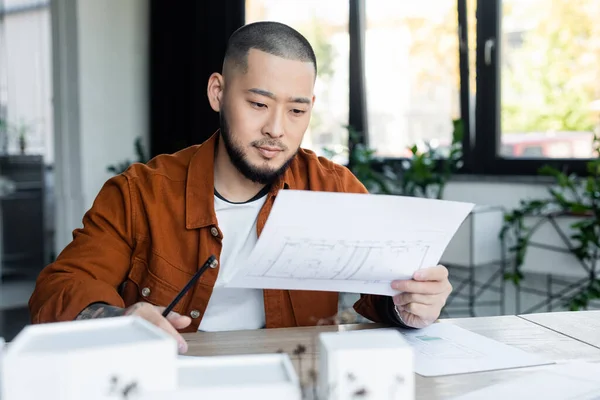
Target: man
151	227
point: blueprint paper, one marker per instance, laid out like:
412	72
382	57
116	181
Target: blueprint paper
575	380
347	242
446	349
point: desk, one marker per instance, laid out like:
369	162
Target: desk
511	330
582	325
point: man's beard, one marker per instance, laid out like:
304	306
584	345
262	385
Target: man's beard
264	176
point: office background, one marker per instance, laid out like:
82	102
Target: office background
85	84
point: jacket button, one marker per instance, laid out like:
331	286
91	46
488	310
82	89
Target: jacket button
145	292
214	231
194	314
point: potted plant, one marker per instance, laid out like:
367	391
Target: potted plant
571	196
22	141
424	174
20	132
427	172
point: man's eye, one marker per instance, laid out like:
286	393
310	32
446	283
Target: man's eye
257	105
298	112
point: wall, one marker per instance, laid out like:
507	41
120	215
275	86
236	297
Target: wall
112	85
498	193
101	98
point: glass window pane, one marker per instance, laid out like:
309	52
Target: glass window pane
325	25
26	79
550	68
412	74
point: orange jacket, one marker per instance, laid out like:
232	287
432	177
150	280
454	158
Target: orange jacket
151	227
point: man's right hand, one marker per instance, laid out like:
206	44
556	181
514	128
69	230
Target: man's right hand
147	311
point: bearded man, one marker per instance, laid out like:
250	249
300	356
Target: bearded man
151	227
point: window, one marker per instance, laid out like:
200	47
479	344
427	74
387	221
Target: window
325	25
412	74
25	79
550	68
523	75
541	84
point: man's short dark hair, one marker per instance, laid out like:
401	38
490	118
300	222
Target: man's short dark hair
271	37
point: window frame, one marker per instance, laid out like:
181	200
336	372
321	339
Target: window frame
358	117
481	115
357	95
488	142
482	130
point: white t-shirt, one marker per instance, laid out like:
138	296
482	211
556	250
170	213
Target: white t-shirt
233	308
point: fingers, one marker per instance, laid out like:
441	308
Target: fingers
403	299
431	281
437	273
157	319
177	320
423	297
430	288
153	315
425	308
421	312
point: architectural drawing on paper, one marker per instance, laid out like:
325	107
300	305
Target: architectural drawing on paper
328	259
440	347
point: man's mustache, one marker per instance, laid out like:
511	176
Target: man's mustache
269	143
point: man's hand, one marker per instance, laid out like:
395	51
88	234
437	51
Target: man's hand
423	297
147	311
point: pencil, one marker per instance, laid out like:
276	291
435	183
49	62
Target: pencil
210	263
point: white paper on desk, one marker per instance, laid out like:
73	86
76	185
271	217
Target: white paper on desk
573	381
347	242
446	349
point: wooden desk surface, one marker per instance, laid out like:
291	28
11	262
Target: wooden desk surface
581	325
511	330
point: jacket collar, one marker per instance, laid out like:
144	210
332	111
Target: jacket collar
200	186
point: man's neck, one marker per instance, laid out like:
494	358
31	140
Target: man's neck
229	182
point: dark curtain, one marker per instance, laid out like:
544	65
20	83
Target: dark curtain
187	44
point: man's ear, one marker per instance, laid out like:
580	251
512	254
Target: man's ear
216	85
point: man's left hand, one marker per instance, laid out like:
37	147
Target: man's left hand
422	297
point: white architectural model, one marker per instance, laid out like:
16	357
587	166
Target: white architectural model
129	358
369	364
91	359
252	377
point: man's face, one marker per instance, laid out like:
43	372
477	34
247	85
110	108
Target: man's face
264	114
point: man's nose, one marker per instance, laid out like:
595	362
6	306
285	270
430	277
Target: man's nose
275	126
